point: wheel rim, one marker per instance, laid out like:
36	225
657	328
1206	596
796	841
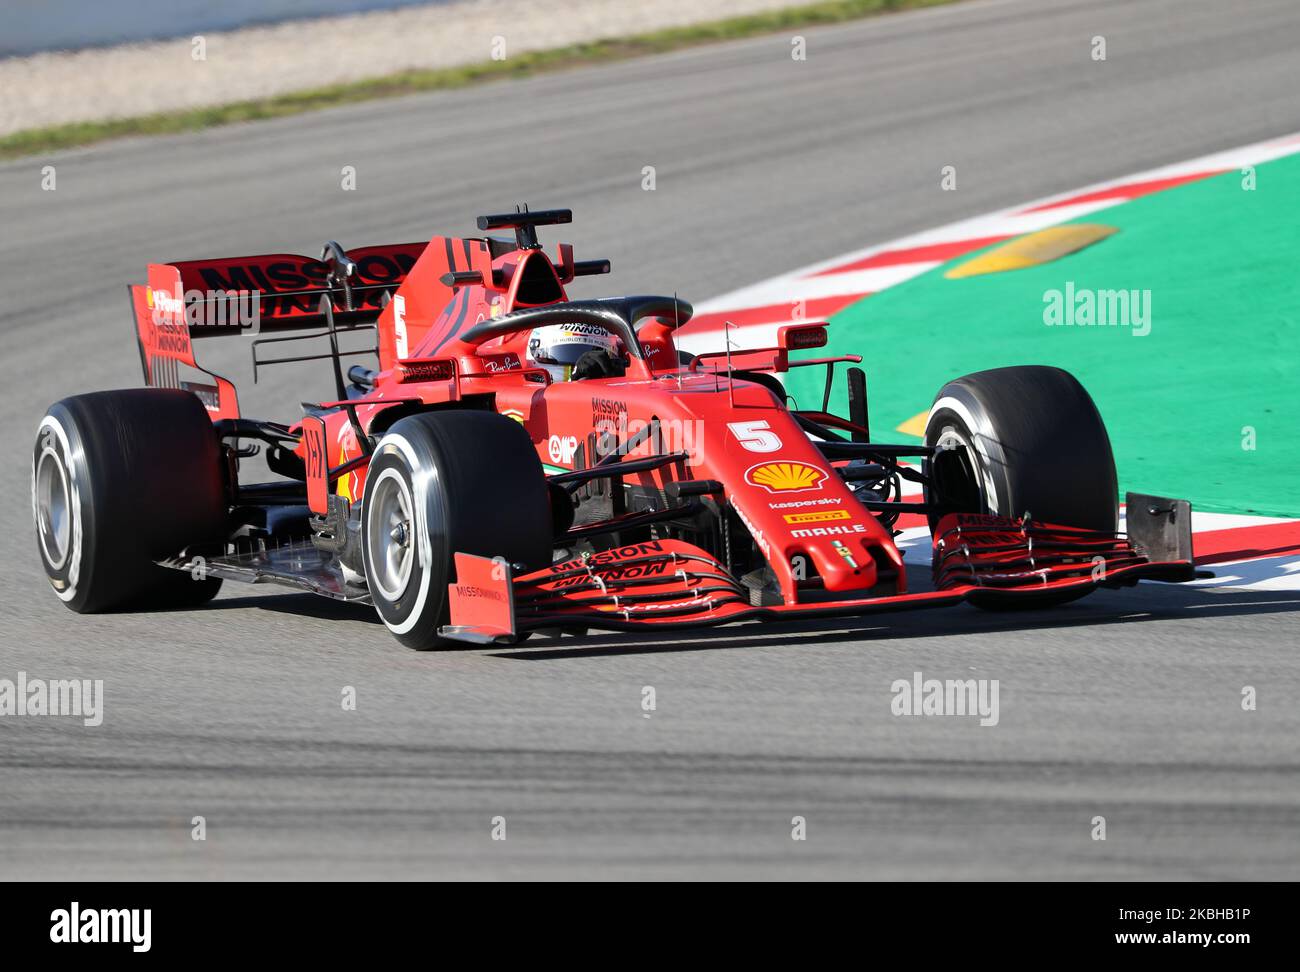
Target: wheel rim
53	509
390	535
952	438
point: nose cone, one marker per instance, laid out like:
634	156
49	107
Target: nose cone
801	514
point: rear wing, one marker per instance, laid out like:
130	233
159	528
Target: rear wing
288	288
256	296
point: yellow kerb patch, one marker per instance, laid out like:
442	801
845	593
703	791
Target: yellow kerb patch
915	425
1034	249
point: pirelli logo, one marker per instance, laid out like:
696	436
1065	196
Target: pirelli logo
817	516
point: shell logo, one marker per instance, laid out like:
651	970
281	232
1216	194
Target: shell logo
786	477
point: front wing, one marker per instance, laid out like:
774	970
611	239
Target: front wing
995	561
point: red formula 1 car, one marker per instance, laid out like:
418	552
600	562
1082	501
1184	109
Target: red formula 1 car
522	461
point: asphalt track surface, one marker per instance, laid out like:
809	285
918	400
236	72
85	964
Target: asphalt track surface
1125	705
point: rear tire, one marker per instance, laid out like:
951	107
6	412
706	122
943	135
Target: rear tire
439	483
121	479
1022	440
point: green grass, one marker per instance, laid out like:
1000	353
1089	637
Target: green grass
1220	359
75	134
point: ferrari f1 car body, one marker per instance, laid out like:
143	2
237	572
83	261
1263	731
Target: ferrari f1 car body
469	495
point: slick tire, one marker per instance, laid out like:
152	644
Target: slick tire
1019	440
121	479
439	483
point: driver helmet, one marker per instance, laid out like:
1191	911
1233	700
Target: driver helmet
557	347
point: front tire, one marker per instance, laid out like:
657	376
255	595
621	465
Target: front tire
1022	440
121	479
439	483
